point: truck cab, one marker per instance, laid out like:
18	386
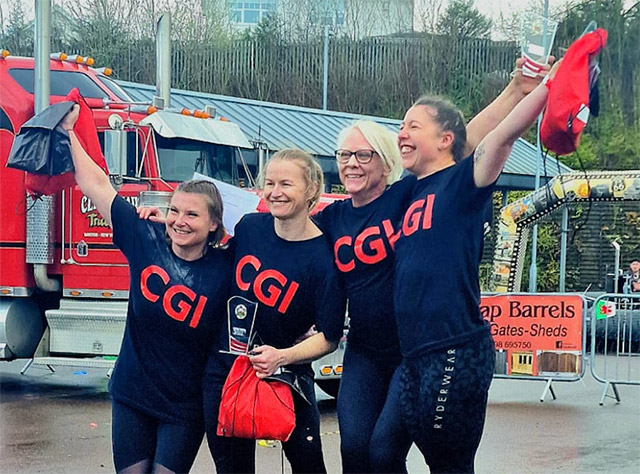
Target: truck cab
148	153
77	317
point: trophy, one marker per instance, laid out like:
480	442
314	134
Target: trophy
538	33
241	315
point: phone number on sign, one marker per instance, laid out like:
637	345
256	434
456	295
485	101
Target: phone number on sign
513	345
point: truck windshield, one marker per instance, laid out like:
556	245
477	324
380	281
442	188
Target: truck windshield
115	88
179	158
61	83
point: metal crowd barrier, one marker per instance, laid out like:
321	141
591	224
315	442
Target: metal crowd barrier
615	342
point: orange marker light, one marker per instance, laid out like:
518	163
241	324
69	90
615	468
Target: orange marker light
185	112
107	71
89	61
200	114
4	53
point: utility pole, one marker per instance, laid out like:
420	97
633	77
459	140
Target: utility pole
325	56
533	269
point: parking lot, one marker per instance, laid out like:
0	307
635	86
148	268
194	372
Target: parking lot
60	423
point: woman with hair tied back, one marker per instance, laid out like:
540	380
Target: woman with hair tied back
363	231
286	249
179	286
438	395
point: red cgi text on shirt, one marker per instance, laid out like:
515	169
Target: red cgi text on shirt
418	216
187	299
269	286
368	246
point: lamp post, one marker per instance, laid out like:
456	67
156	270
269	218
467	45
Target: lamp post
533	269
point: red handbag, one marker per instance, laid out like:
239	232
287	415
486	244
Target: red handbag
255	408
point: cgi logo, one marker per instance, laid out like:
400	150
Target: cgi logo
185	297
418	216
265	291
368	247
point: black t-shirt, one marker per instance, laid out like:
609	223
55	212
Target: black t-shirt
294	283
437	293
363	240
175	308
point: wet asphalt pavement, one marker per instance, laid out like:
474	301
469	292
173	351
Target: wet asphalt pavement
60	423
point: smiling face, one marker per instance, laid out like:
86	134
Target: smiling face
286	190
422	141
364	181
188	224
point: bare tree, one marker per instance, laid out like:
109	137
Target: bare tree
17	35
428	13
509	23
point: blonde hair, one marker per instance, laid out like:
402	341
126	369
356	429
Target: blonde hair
383	141
311	171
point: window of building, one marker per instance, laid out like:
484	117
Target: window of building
331	13
251	13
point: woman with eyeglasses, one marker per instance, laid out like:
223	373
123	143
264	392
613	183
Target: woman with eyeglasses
363	231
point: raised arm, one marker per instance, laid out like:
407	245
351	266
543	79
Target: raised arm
494	113
89	176
493	151
267	359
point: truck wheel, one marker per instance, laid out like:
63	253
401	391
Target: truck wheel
329	386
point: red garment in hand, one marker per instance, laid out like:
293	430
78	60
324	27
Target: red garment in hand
254	408
567	107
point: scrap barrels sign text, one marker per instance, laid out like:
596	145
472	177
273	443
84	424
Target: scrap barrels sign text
536	334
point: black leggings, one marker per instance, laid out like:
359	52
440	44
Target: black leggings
137	436
363	393
441	400
444	403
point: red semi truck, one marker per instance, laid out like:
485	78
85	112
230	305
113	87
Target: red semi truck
63	284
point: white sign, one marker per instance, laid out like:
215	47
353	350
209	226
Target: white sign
236	201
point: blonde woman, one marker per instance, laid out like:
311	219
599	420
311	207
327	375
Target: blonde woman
283	263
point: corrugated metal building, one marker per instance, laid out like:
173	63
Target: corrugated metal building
278	126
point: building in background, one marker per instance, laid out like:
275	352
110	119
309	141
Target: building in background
353	18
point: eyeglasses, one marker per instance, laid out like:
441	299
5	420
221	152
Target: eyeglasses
362	156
